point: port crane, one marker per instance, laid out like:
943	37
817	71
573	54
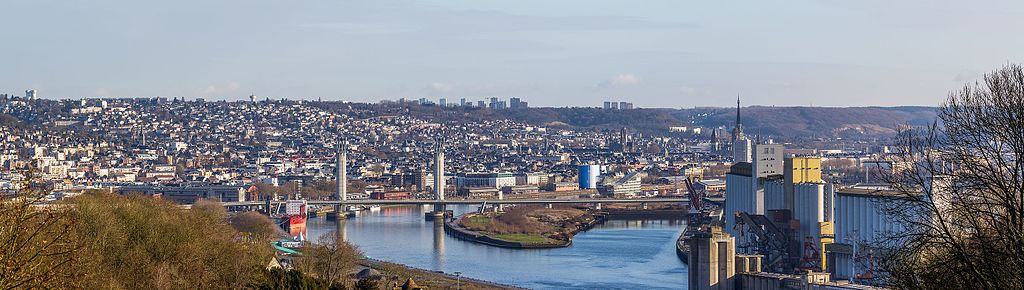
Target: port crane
697	213
699	219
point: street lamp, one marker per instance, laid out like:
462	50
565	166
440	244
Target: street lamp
458	280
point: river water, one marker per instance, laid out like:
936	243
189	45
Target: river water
618	254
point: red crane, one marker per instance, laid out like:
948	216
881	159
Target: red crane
697	212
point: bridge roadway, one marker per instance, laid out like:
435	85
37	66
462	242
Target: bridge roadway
468	201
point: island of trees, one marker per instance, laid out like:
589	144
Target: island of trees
525	226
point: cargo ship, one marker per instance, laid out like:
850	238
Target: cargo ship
297	227
294	219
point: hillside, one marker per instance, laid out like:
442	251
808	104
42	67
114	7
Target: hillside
823	121
786	122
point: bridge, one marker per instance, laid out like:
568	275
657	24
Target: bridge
341	192
467	201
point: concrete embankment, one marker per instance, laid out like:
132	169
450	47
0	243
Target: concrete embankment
682	248
453	228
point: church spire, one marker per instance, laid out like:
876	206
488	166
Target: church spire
737	132
737	110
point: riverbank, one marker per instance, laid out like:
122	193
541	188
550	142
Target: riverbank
428	279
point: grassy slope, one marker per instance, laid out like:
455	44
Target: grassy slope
477	222
522	238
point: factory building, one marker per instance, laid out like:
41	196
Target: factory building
824	228
745	182
624	187
189	194
711	186
531	178
768	160
714	264
859	214
739	195
491	180
799	170
860	221
712	261
791	194
801	191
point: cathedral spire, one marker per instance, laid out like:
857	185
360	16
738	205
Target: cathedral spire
737	110
737	132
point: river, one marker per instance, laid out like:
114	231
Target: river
618	254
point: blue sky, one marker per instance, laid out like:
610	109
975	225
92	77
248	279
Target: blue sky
550	53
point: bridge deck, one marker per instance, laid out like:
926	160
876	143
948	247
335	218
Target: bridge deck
468	201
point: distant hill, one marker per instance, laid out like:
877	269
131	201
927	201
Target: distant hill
823	121
788	122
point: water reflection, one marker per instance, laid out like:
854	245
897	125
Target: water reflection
439	244
341	229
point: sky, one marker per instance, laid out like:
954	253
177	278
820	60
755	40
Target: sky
653	53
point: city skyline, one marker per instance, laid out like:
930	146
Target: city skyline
463	144
662	54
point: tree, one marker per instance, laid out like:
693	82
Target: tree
254	226
366	284
280	279
139	242
286	190
37	244
330	258
961	192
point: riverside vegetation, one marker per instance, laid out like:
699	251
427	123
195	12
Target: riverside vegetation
105	241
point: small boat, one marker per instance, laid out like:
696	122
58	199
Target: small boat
375	207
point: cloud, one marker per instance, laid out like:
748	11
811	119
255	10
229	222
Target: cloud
102	92
620	81
440	87
210	90
360	28
437	88
965	76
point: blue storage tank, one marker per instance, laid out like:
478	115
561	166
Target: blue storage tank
589	175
